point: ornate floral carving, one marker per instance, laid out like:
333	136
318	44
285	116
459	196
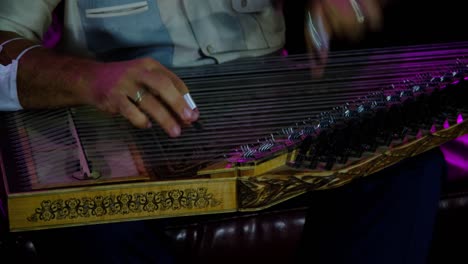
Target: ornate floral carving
122	204
267	190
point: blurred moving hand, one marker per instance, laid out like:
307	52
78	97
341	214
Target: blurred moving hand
344	19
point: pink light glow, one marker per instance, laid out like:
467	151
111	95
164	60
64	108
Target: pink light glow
420	134
456	153
284	53
433	129
459	118
446	124
54	33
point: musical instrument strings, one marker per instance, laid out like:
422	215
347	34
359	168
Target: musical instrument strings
245	103
336	59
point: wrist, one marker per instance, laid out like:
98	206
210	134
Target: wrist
82	74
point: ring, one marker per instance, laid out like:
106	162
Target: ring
358	11
139	96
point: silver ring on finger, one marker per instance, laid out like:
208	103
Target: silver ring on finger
138	96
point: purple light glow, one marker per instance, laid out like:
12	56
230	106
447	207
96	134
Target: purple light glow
446	124
53	35
433	129
456	156
459	118
420	134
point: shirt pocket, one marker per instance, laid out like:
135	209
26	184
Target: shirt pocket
118	10
227	26
125	29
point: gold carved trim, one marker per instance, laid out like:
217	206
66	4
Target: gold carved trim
123	204
120	202
260	192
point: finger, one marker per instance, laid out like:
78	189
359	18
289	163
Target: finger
318	59
319	68
183	89
343	19
131	112
373	13
179	84
159	113
152	65
317	38
159	84
189	100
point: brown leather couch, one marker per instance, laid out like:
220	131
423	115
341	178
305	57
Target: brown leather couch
272	236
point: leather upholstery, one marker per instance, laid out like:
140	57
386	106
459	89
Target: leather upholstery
272	236
268	236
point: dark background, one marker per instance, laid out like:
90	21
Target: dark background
405	23
408	22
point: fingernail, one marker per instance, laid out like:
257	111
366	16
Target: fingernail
149	125
188	114
196	115
175	131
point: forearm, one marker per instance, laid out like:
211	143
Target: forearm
47	79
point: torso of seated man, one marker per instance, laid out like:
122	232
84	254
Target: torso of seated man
177	33
174	32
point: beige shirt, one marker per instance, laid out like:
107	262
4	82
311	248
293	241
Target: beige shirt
176	32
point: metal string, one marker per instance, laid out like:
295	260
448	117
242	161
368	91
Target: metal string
241	103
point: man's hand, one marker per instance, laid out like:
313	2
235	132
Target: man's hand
141	90
345	19
48	79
